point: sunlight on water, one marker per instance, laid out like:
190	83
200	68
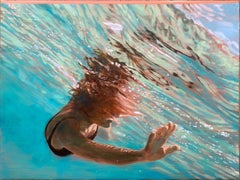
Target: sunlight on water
186	56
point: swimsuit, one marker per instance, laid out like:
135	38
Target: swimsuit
50	129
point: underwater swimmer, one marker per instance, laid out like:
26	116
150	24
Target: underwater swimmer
99	98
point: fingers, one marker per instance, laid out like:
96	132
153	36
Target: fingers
165	131
171	128
171	149
162	134
158	138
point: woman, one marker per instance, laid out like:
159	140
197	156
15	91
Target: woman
103	95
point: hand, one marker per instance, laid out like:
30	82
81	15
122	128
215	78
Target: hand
155	148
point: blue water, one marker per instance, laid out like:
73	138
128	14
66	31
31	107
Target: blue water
41	46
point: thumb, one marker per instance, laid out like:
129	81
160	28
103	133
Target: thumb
171	149
150	142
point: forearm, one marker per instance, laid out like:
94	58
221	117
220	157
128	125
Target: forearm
105	153
67	135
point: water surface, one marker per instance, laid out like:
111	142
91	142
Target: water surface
185	55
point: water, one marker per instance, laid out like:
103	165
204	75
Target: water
185	55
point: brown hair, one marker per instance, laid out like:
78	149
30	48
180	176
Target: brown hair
106	88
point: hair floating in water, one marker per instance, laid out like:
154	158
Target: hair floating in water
107	86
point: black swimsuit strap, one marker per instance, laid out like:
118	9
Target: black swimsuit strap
59	152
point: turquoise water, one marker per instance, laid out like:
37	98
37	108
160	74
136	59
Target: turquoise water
185	55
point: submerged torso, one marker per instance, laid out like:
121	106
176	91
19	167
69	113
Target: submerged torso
68	112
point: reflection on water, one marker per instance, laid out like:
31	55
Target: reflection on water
186	57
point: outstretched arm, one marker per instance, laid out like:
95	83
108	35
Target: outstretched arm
68	136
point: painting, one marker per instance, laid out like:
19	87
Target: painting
168	61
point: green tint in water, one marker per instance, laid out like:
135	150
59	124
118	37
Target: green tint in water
191	79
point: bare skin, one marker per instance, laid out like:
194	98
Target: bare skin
72	133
